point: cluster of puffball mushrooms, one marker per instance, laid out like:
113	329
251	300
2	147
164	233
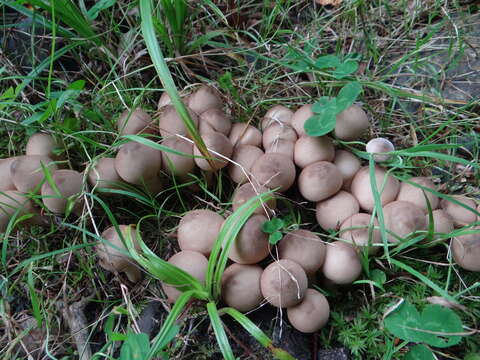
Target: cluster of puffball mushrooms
257	160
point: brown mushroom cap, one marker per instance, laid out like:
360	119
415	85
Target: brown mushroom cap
241	286
348	165
136	163
342	264
442	222
204	98
174	164
164	100
466	250
416	196
351	123
215	143
276	132
170	122
278	114
283	283
41	144
10	202
319	181
274	170
378	146
299	117
245	134
310	149
311	314
69	183
27	172
191	262
251	245
135	122
198	230
104	175
460	215
355	230
282	147
303	247
248	191
332	212
6	181
215	120
245	156
362	190
113	255
403	218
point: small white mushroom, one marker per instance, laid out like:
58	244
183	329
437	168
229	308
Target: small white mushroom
379	146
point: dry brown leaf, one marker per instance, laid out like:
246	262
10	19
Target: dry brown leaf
329	2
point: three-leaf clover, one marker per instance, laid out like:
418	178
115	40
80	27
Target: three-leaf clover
273	227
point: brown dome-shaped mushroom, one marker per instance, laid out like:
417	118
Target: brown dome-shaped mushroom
248	191
283	283
362	190
276	132
415	195
342	264
191	262
251	245
332	212
245	134
215	143
135	122
310	149
351	123
241	286
27	172
299	117
348	165
460	215
401	219
6	181
355	230
319	181
303	247
104	175
174	164
198	230
204	98
274	170
113	255
442	222
282	147
466	250
245	156
311	314
215	120
41	144
137	163
170	122
278	114
378	146
10	202
69	184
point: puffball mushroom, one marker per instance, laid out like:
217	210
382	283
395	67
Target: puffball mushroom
310	149
248	191
192	262
27	172
355	230
135	122
351	123
164	101
198	230
104	175
332	212
319	181
282	147
415	195
245	156
216	143
174	164
311	314
274	170
442	222
245	134
460	215
215	120
283	283
303	247
342	264
348	165
137	163
6	181
299	117
241	286
12	201
204	98
278	114
41	144
276	132
378	146
251	245
170	122
466	250
68	183
362	190
401	219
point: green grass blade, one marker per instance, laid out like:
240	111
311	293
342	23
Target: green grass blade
33	297
257	333
220	334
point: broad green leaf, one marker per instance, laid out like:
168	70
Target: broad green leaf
272	225
321	124
347	95
321	103
327	61
399	322
275	237
135	347
347	68
378	276
419	352
472	356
